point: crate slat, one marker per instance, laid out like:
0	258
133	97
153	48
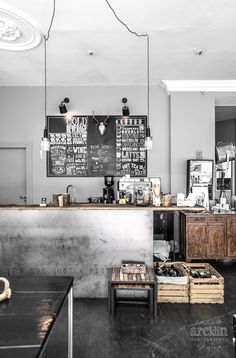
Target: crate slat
176	299
209	300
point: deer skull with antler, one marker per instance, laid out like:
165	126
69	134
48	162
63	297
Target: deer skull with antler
101	125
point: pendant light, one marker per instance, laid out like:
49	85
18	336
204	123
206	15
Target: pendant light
148	138
45	143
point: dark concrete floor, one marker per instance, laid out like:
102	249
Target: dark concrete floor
181	330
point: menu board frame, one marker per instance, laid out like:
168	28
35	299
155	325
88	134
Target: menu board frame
78	150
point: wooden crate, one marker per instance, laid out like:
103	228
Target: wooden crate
205	290
174	291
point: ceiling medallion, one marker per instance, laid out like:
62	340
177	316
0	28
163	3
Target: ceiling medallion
17	31
8	30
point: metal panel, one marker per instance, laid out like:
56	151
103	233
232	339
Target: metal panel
79	243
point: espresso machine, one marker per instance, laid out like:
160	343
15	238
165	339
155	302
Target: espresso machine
108	192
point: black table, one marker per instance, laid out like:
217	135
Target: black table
27	319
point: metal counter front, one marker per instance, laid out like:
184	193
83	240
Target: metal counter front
79	240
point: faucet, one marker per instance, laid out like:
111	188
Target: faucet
67	191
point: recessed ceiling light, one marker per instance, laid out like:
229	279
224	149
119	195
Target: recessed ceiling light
17	31
92	53
199	52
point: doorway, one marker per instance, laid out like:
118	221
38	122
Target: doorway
15	174
225	133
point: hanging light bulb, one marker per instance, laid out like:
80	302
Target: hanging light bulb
148	139
45	143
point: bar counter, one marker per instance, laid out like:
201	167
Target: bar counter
87	206
79	240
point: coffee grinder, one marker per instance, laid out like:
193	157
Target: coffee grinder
108	192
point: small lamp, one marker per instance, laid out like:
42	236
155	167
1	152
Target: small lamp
45	143
62	105
148	139
125	108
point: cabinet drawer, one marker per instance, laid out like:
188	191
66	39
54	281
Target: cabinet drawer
196	219
215	219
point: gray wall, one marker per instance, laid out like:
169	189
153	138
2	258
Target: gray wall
192	128
22	120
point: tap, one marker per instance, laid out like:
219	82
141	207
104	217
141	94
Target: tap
67	191
68	187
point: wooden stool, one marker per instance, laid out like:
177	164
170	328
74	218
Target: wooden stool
140	282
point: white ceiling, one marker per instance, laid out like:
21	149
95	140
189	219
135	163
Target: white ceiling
177	29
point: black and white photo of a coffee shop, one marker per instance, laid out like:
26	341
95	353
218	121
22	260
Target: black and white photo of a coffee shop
117	179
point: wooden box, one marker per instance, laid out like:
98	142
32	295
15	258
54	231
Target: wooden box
205	290
173	289
176	293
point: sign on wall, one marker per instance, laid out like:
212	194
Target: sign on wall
77	149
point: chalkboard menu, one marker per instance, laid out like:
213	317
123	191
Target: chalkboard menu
77	148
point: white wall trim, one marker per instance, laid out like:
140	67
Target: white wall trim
199	86
29	164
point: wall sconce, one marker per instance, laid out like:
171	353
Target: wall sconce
125	108
102	125
62	105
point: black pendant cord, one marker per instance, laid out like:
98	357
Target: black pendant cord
46	37
148	82
52	18
148	65
123	23
45	80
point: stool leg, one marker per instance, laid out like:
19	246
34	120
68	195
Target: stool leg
109	298
112	301
151	302
155	300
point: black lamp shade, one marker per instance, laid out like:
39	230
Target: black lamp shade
148	132
45	133
62	108
125	111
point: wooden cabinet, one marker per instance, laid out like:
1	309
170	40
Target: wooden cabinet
215	237
196	240
231	237
208	236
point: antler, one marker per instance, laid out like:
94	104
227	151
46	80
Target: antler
106	119
95	118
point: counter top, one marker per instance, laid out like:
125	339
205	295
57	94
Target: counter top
86	206
210	213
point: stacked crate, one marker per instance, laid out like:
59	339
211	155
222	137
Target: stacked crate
205	290
172	289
